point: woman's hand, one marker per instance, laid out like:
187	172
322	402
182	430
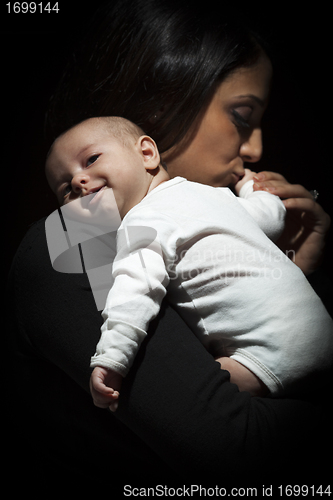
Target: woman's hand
307	224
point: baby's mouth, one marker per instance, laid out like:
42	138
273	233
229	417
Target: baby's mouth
94	195
96	190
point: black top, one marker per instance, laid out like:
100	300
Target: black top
179	420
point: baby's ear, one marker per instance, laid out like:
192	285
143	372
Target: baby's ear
149	151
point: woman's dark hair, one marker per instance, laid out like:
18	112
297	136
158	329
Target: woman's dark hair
154	62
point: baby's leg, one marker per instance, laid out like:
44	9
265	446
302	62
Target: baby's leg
243	377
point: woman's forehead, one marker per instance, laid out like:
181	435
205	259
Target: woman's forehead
254	80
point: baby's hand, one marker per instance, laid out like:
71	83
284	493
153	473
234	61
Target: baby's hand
104	387
247	177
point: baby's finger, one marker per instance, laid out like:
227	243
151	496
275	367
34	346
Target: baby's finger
113	406
105	401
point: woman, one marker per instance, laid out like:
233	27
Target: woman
165	66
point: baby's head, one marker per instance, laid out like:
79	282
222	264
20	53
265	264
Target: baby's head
100	153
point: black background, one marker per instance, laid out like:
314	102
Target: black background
297	127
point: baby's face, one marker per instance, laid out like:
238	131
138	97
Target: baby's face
88	159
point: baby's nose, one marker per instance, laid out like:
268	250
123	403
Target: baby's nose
80	182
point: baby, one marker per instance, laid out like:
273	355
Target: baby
212	251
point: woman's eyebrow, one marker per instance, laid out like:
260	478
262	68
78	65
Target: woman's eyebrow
254	97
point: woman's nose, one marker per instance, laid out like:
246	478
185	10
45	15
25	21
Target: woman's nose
80	183
251	149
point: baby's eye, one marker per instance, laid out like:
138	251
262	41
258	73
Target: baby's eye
92	160
67	189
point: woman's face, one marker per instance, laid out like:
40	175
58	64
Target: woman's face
228	133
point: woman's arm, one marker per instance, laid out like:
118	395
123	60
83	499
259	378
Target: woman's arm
193	417
175	399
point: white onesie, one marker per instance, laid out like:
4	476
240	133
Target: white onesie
214	255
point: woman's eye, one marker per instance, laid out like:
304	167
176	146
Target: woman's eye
92	160
241	116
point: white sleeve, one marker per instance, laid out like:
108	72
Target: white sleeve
266	209
140	280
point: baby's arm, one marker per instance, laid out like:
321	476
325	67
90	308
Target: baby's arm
104	387
243	377
267	209
140	280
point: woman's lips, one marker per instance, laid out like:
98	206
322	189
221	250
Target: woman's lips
236	177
